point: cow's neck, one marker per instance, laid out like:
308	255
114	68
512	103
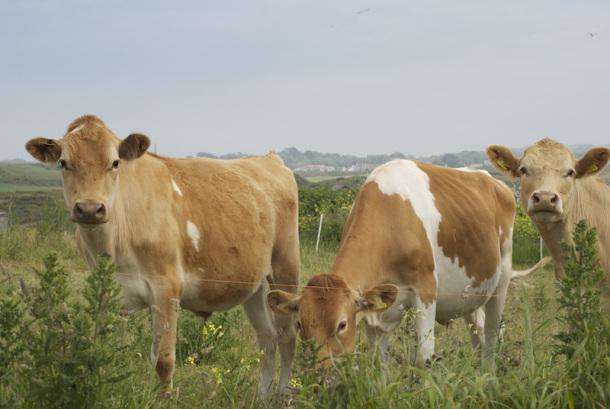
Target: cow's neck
97	239
354	265
590	201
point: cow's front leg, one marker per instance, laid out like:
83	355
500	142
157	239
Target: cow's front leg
377	341
425	318
164	312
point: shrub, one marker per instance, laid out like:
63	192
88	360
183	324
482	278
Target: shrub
77	352
585	338
526	241
11	343
334	204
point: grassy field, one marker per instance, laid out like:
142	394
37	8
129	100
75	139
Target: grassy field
221	371
217	368
33	175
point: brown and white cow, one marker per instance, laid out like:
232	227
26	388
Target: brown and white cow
201	234
557	191
418	235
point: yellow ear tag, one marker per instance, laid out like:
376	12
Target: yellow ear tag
284	307
501	164
379	305
593	168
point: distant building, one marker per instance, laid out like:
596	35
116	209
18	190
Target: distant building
315	168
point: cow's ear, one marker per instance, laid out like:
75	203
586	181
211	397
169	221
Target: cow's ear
503	159
44	150
378	298
282	302
593	161
133	146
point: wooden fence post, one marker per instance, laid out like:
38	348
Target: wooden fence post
319	232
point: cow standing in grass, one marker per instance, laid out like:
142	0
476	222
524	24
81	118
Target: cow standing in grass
435	239
557	191
201	234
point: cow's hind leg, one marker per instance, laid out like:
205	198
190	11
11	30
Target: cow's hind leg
285	264
475	321
494	308
493	317
260	317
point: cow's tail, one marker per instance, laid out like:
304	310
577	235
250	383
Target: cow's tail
539	265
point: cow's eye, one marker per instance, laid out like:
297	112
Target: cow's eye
523	171
570	173
115	164
341	327
62	164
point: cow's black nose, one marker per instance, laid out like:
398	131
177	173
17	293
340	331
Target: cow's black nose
89	213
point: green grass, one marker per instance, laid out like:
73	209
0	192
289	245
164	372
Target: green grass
29	174
12	188
223	373
31	206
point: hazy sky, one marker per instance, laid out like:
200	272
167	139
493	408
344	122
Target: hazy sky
419	77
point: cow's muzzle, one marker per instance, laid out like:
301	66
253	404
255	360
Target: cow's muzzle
89	213
545	204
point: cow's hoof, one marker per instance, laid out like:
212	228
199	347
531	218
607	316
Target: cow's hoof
432	360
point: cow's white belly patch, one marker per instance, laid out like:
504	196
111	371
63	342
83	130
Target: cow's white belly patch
456	295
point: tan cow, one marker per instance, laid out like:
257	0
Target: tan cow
557	191
418	235
201	234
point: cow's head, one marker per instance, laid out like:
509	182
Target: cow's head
329	310
90	158
548	173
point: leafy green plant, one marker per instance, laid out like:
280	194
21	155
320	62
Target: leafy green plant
526	240
584	340
198	340
334	204
78	352
11	343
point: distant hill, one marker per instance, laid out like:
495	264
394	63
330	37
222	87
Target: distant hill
28	176
312	161
20	175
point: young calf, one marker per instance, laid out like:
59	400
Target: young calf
201	234
422	236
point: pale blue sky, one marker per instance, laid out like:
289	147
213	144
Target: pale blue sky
419	77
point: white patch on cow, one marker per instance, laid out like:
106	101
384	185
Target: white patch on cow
176	188
474	170
486	173
193	233
406	179
78	128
